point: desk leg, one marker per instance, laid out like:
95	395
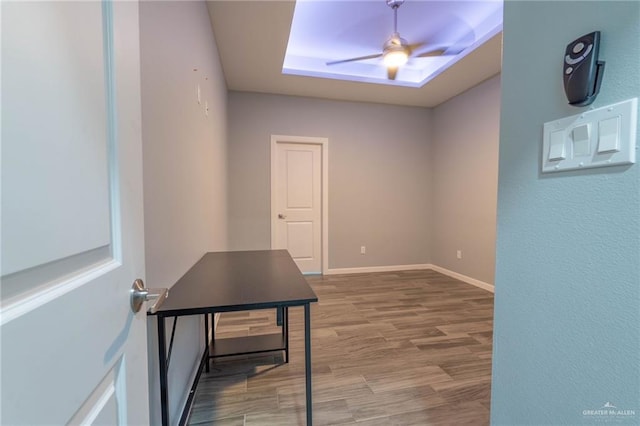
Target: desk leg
213	336
162	358
285	330
206	340
307	361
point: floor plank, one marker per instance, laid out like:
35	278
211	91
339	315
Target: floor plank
393	348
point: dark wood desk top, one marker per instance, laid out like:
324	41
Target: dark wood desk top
237	280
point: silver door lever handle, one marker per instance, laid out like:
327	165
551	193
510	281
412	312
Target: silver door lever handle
141	294
281	216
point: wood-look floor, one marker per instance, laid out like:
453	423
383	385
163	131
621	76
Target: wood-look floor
401	348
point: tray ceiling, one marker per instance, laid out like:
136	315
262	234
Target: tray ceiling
252	39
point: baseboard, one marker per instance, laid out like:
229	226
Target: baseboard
187	399
195	375
464	278
391	268
366	269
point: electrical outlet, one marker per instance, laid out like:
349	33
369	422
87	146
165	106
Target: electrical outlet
363	250
459	254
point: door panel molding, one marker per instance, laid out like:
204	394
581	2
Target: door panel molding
34	298
324	146
107	403
32	286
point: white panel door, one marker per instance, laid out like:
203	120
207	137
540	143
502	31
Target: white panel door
72	350
298	203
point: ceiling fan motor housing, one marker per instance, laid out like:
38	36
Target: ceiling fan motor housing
395	43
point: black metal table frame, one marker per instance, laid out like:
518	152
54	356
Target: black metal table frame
164	357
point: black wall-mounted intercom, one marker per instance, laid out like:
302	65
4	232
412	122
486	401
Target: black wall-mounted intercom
582	70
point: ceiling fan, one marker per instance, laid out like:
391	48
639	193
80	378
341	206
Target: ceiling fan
396	50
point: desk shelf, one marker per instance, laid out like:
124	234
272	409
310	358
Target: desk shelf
247	345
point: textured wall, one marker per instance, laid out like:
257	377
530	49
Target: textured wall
567	306
184	167
379	177
464	167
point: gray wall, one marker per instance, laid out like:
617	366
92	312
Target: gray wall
464	178
379	178
568	246
184	167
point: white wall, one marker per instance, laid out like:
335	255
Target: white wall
567	300
379	177
184	154
465	181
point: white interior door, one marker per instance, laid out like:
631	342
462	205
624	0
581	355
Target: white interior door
72	232
297	205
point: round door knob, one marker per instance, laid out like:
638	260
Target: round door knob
141	294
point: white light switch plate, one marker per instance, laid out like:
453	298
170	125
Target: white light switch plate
584	154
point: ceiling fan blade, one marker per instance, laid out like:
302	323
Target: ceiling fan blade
429	53
415	46
359	58
392	72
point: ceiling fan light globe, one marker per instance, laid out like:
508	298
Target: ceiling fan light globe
395	58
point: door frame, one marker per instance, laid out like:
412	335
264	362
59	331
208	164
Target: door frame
324	215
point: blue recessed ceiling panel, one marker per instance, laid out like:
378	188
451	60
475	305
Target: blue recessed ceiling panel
325	31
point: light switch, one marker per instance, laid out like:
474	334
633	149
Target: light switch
600	137
609	135
581	136
557	149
